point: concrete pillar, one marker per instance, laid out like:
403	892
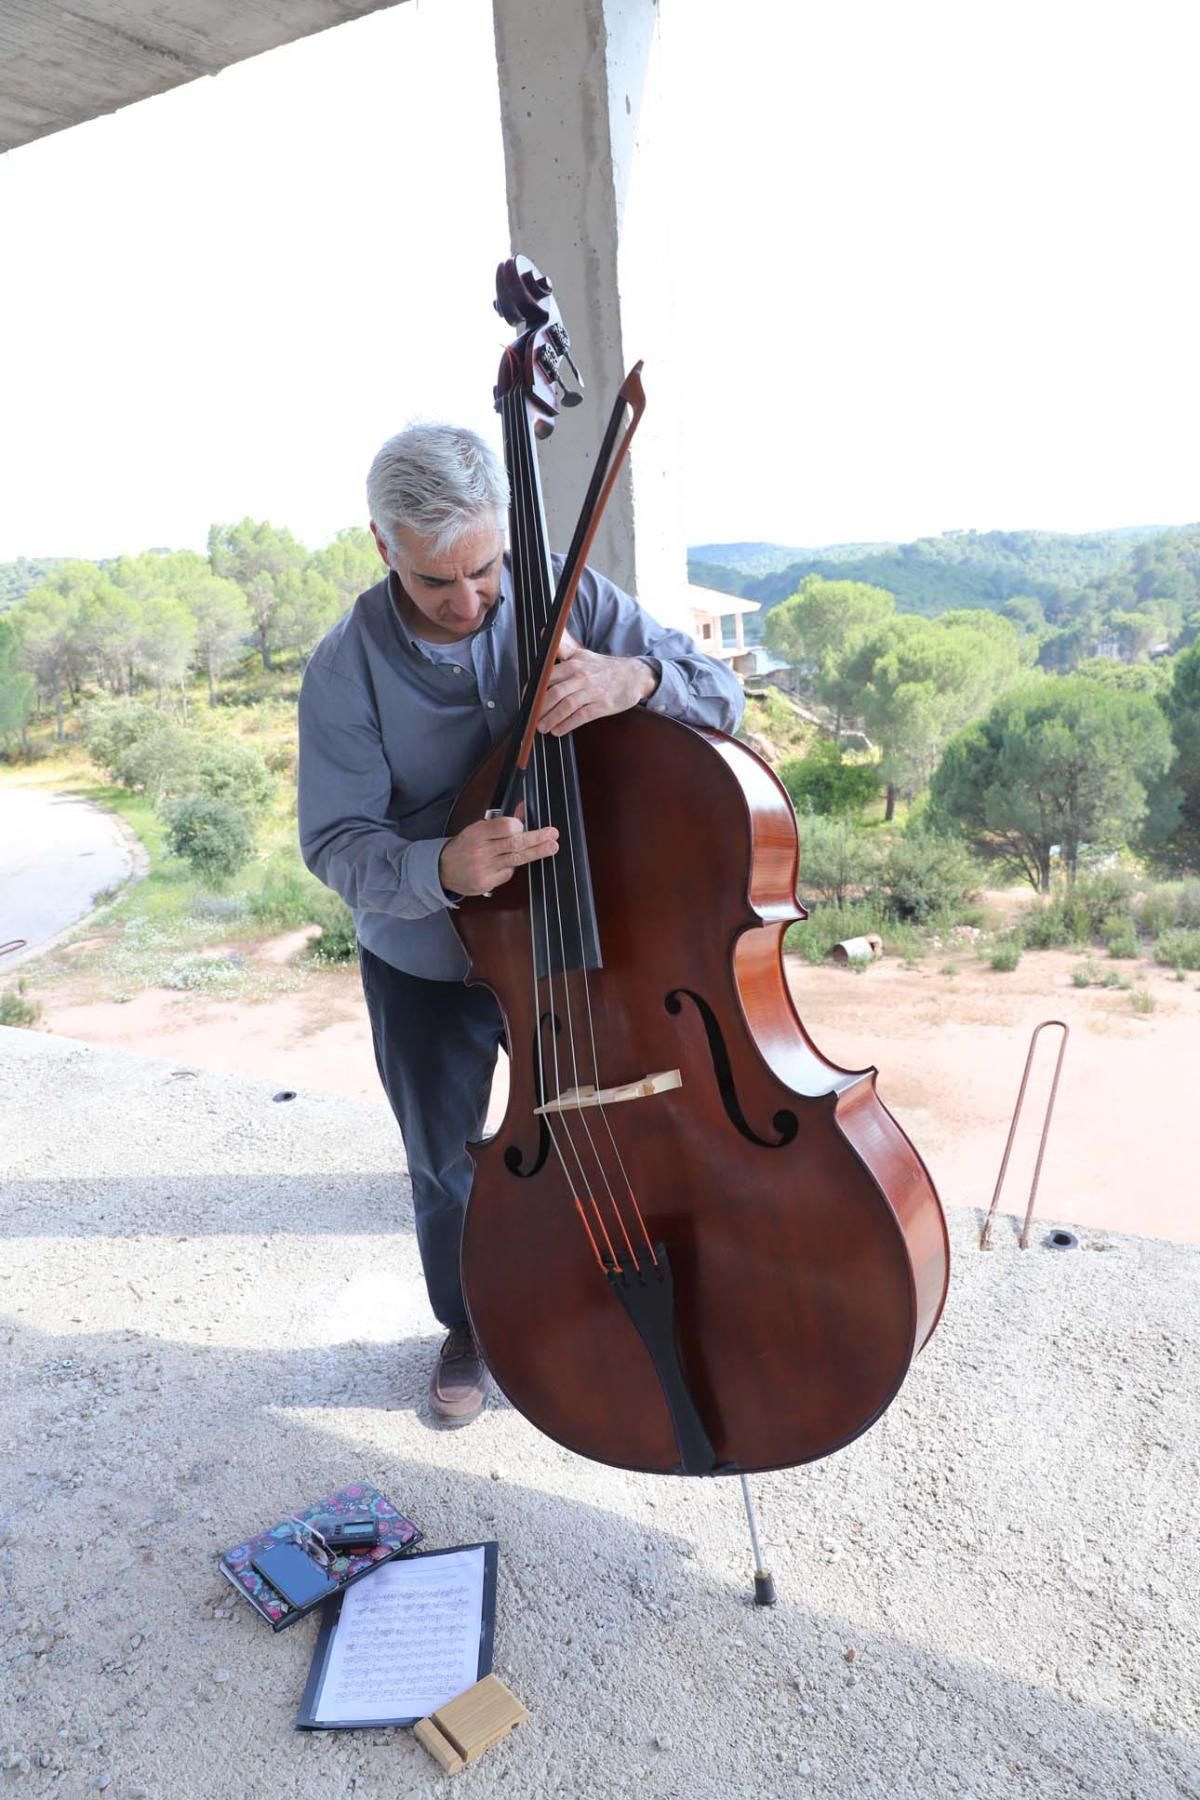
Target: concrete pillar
586	152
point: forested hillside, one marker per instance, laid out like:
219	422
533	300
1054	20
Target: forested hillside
1129	590
930	575
16	578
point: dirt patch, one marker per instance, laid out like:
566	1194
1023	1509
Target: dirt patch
949	1049
317	1039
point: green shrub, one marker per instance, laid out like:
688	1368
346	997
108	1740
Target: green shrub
225	770
338	941
1104	896
1142	1001
1076	918
1155	911
1187	906
213	837
281	760
288	897
824	782
1124	942
110	726
926	877
1006	952
1178	949
1085	974
836	860
139	746
1044	927
148	751
16	1008
830	925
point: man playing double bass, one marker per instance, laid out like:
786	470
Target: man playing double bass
400	703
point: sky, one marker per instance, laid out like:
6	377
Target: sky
935	269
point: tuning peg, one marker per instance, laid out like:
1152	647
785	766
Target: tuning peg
577	375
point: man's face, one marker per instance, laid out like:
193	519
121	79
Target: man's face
450	592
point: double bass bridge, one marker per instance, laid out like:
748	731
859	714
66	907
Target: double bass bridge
574	1099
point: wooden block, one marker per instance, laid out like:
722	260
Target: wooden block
467	1726
440	1748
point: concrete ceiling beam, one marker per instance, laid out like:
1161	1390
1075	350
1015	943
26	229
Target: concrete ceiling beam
61	66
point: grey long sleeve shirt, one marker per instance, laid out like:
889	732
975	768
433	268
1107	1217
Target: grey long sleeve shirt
389	735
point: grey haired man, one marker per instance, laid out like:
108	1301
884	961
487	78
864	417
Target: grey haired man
400	703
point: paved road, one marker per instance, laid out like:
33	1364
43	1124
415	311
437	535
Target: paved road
56	854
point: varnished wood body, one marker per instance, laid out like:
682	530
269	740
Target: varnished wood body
807	1275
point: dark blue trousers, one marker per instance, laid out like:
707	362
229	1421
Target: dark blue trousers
435	1049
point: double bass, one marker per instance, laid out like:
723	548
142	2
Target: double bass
694	1245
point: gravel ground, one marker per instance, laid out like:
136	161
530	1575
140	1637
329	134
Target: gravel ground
213	1312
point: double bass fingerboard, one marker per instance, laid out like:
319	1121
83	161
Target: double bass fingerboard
565	934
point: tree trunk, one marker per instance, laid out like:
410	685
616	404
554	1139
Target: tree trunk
264	648
890	814
212	687
58	713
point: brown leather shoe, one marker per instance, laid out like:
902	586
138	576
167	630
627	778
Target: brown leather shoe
460	1382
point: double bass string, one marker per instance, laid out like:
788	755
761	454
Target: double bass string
537	611
572	863
524	647
533	560
540	600
523	531
587	996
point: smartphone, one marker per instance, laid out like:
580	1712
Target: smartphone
293	1574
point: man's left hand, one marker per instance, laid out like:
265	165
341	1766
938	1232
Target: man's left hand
585	685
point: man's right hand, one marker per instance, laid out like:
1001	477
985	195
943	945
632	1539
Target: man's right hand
485	855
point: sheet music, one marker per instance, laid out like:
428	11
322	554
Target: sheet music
407	1640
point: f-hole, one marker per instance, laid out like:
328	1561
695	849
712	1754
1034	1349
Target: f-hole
786	1123
514	1156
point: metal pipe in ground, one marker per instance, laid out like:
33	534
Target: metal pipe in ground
985	1236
